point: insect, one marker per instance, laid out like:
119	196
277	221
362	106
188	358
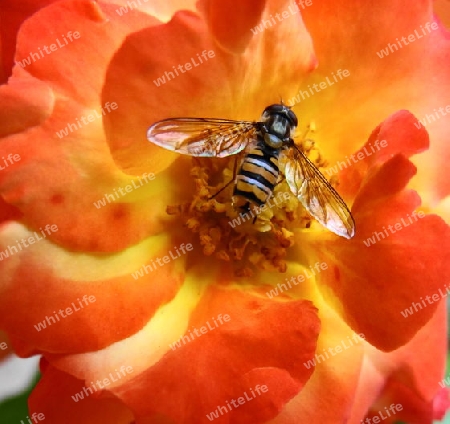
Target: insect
269	150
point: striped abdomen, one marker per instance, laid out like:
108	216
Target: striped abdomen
257	176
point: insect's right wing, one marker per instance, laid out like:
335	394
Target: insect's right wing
203	137
315	193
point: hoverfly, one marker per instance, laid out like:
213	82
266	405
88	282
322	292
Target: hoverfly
269	149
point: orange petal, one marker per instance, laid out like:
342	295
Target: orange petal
100	301
95	207
406	262
442	11
59	178
397	134
347	111
166	73
16	13
148	55
339	361
8	212
244	16
410	376
90	22
246	341
26	102
52	397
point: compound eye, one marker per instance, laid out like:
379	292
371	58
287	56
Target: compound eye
265	116
273	109
293	118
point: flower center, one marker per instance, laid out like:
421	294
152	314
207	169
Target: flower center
254	239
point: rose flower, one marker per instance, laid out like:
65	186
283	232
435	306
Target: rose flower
120	263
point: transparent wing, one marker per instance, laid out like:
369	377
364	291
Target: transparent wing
203	137
315	192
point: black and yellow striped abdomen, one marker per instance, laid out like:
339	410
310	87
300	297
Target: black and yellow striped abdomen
257	176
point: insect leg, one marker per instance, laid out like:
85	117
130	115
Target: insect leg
229	182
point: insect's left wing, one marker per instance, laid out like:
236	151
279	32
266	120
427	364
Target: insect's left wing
203	137
315	193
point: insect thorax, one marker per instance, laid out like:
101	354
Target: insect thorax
278	125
